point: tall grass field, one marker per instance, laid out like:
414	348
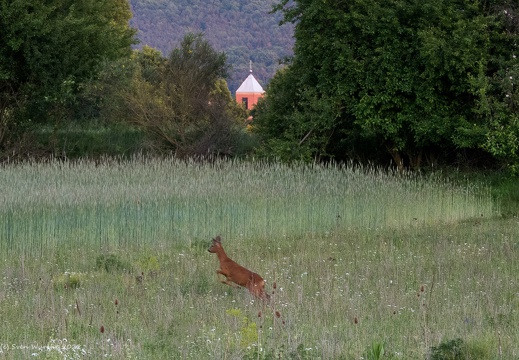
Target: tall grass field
109	259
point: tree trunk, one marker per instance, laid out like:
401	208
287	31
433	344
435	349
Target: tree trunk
397	158
415	160
432	159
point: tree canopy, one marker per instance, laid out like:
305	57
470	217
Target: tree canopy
181	101
47	49
418	78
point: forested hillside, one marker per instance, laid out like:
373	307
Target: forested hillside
244	30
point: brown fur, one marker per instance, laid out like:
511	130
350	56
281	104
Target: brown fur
236	274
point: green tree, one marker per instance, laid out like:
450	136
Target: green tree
182	102
106	96
295	121
417	78
48	49
497	93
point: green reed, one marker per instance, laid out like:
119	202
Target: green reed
141	201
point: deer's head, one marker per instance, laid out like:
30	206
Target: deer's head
215	245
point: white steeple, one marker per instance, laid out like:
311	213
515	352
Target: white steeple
250	85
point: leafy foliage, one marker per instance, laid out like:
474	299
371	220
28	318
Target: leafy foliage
419	79
181	102
447	350
48	49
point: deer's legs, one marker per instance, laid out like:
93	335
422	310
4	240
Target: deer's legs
224	280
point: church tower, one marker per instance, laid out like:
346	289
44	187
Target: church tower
249	92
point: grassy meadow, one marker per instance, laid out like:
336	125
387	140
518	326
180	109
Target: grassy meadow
109	259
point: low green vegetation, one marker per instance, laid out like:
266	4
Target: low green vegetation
110	259
93	141
138	202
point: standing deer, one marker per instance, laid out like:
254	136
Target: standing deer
236	274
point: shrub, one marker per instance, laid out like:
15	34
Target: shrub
67	280
447	350
112	263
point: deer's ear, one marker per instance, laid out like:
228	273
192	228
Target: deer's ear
217	239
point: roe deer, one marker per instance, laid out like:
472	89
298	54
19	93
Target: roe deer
236	274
